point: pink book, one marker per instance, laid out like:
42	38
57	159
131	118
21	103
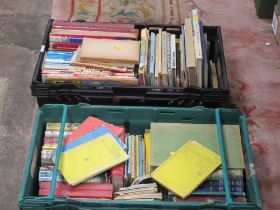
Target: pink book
84	190
90	124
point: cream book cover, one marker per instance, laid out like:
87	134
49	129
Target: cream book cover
110	50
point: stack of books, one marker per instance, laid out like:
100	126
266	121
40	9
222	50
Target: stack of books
92	54
177	58
101	184
137	165
177	162
206	134
142	188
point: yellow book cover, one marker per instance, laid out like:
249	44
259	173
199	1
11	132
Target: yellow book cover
137	155
187	168
144	158
89	159
50	146
147	140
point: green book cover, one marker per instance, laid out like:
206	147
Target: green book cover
168	137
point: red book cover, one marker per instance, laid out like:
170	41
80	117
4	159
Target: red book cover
97	25
92	36
84	190
50	140
77	28
117	173
119	170
65	46
90	124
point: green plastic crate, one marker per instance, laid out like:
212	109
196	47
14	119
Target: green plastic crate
265	8
138	119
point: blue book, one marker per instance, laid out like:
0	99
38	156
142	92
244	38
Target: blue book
59	55
152	56
100	131
126	166
140	156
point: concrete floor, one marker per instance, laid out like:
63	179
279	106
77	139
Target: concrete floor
253	70
22	24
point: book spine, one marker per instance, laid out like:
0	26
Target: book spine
183	52
234	174
137	156
208	193
178	66
219	189
159	58
56	66
190	52
82	28
147	56
64	46
173	51
53	36
126	162
94	32
46	175
91	24
55	134
164	59
197	45
132	157
155	79
169	59
77	40
152	58
172	73
79	193
50	140
143	47
140	156
129	154
205	56
147	150
207	199
220	183
68	126
144	158
118	172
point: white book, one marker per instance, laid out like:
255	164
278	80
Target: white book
169	70
197	46
173	60
164	59
157	58
55	134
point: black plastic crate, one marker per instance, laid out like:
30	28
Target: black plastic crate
68	93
